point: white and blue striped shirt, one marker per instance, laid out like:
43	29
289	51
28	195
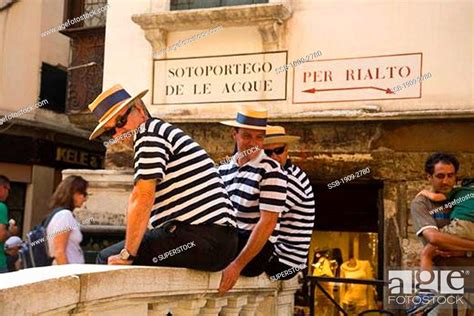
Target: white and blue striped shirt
189	188
258	185
297	221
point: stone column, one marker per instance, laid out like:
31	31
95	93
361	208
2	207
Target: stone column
135	310
268	306
252	304
191	305
286	297
234	305
38	194
272	34
213	306
162	308
108	195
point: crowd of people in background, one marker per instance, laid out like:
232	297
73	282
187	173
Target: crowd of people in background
62	229
7	228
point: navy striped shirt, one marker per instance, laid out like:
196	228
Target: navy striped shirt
297	221
189	188
258	185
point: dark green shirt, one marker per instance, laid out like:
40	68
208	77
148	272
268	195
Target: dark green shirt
463	201
3	220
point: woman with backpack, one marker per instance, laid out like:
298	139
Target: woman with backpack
63	231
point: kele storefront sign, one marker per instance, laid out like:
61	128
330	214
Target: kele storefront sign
219	79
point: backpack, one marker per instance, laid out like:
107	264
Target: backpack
35	253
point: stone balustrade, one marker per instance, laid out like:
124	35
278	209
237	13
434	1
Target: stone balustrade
93	290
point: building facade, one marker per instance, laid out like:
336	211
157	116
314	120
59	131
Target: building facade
37	138
376	96
372	88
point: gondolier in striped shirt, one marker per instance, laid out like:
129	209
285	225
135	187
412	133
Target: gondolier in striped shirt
257	188
295	224
177	194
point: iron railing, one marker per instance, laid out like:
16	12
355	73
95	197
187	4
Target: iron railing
315	282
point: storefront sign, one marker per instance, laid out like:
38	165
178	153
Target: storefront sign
357	79
78	157
229	78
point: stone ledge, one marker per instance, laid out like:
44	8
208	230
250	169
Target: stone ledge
183	20
82	287
102	175
361	114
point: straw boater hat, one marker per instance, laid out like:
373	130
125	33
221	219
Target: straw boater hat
277	135
250	117
110	102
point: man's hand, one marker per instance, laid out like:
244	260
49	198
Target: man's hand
116	260
13	229
230	275
256	242
437	197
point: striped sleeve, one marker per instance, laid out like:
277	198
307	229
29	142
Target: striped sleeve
273	190
296	225
152	153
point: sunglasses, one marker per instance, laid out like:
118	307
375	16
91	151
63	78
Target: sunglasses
277	151
120	122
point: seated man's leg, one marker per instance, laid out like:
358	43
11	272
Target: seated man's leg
113	250
260	262
176	244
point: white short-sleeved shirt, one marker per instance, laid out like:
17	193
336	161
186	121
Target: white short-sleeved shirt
64	221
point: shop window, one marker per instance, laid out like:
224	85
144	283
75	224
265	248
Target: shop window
202	4
346	244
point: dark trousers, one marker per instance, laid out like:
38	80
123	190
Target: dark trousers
175	244
280	271
258	264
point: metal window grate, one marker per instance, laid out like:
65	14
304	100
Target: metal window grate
203	4
91	6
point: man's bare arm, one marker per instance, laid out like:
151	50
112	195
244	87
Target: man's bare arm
140	204
258	238
256	242
447	241
4	233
